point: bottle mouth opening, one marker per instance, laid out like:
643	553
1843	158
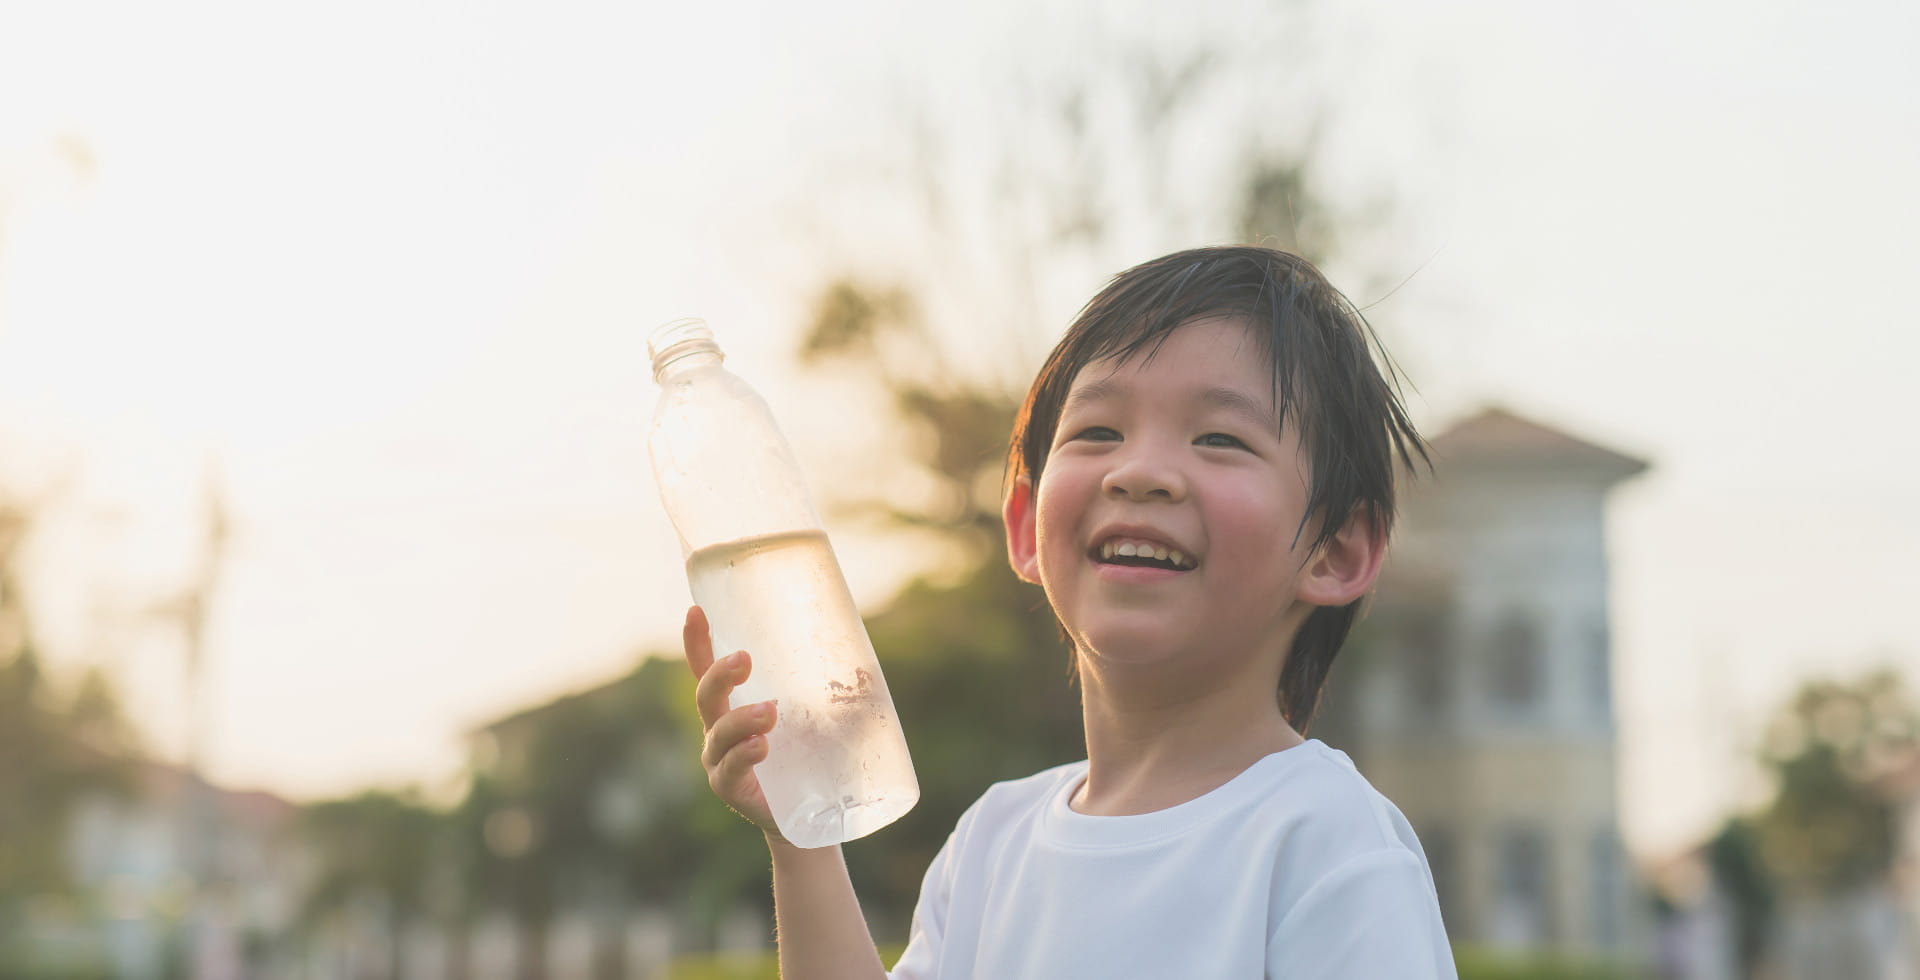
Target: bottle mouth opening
679	339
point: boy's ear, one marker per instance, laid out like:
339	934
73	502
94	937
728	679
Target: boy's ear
1345	568
1023	551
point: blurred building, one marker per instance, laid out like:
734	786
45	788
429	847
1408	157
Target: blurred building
179	871
1480	696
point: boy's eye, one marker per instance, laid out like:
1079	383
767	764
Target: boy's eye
1220	440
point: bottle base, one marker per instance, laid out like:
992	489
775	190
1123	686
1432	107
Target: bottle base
849	819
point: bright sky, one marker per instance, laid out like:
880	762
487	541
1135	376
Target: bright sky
394	265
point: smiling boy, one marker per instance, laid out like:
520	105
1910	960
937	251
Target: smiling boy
1202	483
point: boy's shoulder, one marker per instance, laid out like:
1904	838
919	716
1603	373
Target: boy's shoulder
1331	809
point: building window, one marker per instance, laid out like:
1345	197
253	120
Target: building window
1516	660
1523	894
1608	879
1428	657
1600	655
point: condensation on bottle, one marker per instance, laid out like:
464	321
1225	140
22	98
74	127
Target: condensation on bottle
760	565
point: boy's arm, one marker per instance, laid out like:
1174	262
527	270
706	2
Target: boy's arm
821	930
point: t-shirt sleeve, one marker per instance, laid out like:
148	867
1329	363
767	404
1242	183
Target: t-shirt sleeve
1374	916
921	958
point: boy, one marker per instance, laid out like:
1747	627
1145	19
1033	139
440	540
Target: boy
1202	483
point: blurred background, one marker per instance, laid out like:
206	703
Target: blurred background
339	618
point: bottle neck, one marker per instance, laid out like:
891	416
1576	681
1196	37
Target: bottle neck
682	358
681	346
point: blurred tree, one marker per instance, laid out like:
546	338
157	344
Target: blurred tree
1740	871
1830	827
596	802
1281	207
512	858
54	749
683	849
1833	750
371	850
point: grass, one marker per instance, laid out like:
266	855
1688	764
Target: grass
744	966
1474	964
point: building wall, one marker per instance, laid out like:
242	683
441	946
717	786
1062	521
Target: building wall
1486	708
1525	822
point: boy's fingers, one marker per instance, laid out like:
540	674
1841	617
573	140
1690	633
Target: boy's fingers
710	694
736	740
729	776
697	642
734	729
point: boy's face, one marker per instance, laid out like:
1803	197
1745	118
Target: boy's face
1179	459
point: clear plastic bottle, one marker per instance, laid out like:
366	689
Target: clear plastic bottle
760	565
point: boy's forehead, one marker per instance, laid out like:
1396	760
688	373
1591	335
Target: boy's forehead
1220	344
1252	398
1230	336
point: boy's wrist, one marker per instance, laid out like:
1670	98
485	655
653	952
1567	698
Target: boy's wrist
780	845
803	859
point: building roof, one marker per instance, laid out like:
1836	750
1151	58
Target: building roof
165	782
1497	436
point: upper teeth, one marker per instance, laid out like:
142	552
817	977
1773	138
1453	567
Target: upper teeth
1144	549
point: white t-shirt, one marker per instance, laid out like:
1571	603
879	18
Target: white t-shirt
1296	868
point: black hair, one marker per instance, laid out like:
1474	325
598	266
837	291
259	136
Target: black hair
1346	408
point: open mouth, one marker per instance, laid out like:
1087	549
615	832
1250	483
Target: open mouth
1142	554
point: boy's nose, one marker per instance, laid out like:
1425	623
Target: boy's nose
1141	477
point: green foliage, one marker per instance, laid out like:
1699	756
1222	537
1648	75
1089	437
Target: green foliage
1834	749
725	966
34	788
601	790
850	319
26	964
1830	826
1740	870
55	749
1482	964
1281	208
377	844
1473	964
744	966
958	429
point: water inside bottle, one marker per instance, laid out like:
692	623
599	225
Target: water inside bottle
837	765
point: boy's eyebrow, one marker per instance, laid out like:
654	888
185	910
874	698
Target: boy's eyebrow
1093	391
1235	402
1239	404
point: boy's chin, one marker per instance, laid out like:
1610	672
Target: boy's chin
1144	645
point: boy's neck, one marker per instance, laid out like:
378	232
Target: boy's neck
1148	752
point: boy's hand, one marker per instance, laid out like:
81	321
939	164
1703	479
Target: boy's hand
735	739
